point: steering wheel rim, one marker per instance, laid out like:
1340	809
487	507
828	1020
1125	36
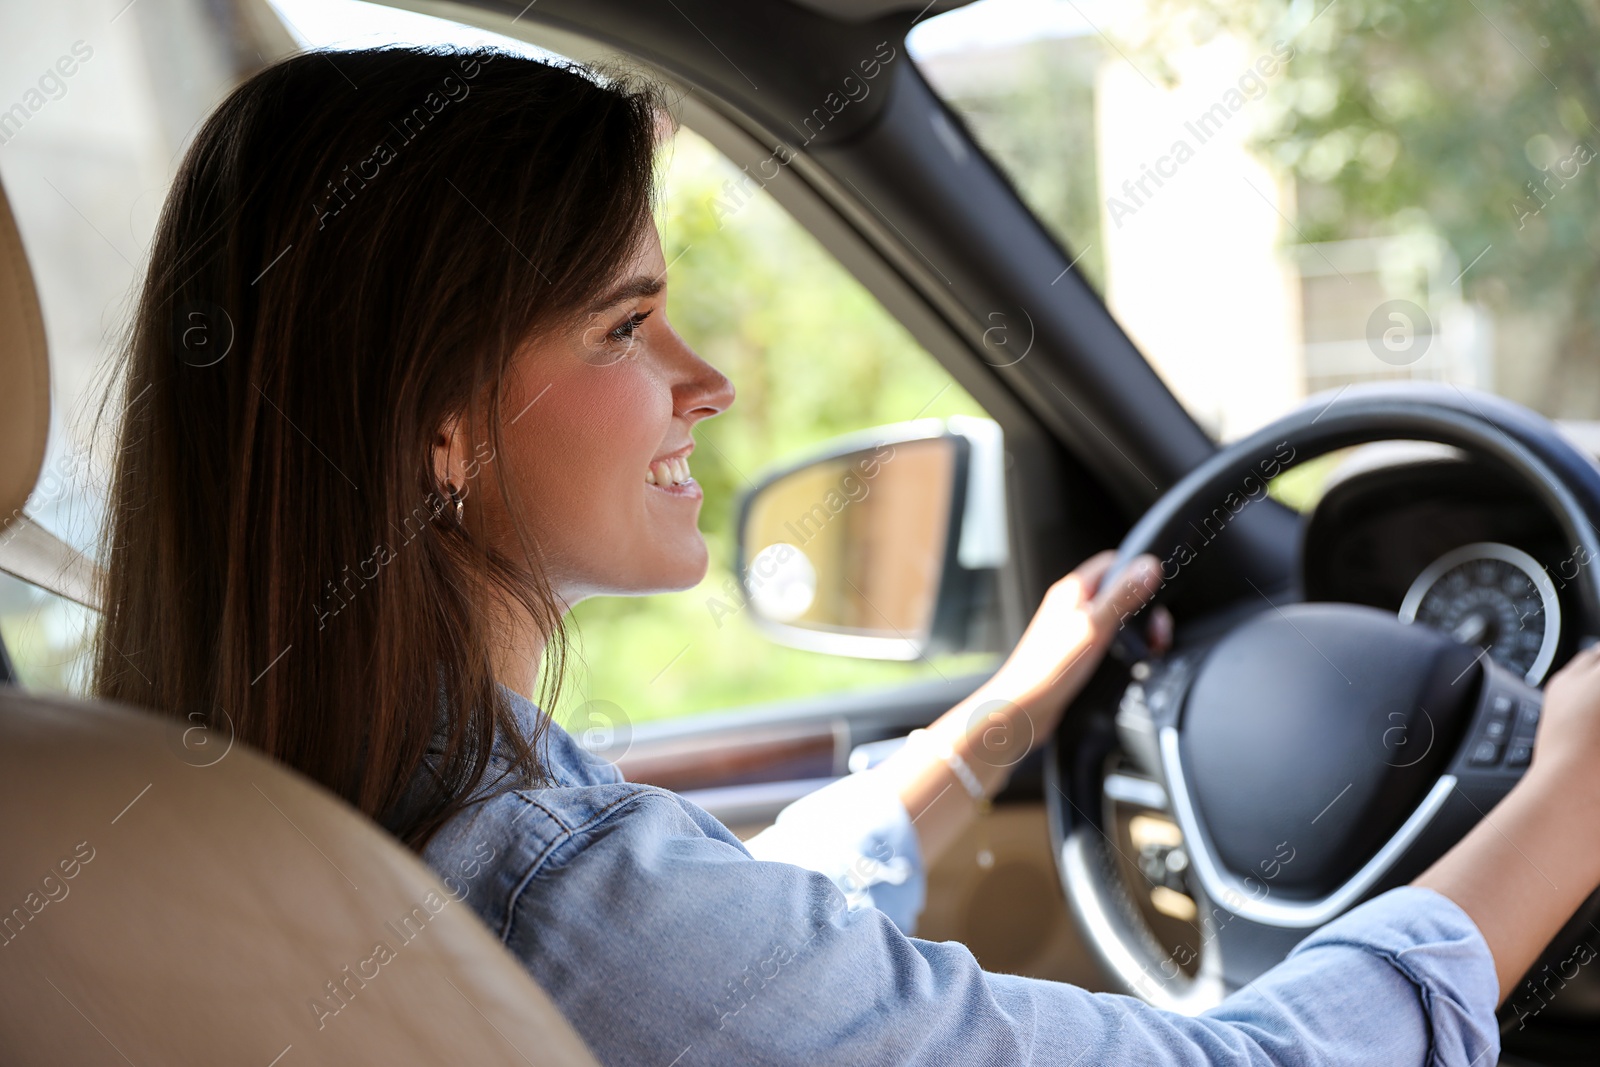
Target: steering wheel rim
1528	446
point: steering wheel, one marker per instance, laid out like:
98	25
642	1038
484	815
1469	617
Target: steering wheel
1311	754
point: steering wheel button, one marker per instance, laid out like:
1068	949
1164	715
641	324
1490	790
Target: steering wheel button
1528	715
1519	755
1496	729
1485	754
1502	704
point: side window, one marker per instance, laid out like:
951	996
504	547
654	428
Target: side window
813	356
91	125
46	637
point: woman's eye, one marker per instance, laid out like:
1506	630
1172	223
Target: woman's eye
624	333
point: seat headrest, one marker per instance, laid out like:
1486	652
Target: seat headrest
187	900
24	373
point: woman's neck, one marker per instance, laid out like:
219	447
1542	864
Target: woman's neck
517	652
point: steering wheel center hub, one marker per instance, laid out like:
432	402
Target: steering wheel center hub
1310	734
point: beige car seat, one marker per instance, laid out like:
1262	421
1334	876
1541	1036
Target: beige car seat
173	898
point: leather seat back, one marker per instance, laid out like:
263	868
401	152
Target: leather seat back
175	899
24	372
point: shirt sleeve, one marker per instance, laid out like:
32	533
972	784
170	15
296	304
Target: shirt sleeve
856	831
664	942
1417	948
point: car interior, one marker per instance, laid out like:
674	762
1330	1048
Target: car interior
1401	558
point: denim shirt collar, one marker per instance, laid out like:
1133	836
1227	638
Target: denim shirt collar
565	762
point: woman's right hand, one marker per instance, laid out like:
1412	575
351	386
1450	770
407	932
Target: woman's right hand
1567	745
1533	858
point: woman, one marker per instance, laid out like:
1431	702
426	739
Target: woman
401	389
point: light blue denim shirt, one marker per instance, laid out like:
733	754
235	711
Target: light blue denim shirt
667	942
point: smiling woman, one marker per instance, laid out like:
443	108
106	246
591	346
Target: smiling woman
246	489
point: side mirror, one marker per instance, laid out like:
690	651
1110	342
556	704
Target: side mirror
885	545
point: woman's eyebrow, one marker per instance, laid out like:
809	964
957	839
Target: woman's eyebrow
643	285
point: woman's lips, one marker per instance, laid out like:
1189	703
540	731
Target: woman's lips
689	490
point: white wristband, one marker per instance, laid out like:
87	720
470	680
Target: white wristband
957	765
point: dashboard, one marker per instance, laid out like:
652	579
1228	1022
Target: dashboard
1448	541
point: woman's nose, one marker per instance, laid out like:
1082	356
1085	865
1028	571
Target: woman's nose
704	392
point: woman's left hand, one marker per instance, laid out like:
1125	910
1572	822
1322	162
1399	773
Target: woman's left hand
1019	706
1060	649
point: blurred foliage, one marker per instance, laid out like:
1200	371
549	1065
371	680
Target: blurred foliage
812	355
1473	121
1301	486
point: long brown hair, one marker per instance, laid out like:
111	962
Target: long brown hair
355	247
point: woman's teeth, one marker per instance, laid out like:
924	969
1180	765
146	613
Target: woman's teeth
667	472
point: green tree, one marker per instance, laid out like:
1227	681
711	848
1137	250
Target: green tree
1475	121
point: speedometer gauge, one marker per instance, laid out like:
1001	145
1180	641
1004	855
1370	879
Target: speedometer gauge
1494	597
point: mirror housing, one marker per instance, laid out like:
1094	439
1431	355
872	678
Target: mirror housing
885	544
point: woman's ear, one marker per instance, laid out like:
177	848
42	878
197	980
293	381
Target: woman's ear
451	453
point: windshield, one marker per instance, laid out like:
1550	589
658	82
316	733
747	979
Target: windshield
1280	198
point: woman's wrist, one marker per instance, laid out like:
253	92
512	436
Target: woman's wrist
1008	721
991	732
1564	791
968	751
935	745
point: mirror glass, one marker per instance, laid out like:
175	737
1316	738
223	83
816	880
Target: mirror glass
854	545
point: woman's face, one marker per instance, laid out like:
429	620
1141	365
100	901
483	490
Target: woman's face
597	422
